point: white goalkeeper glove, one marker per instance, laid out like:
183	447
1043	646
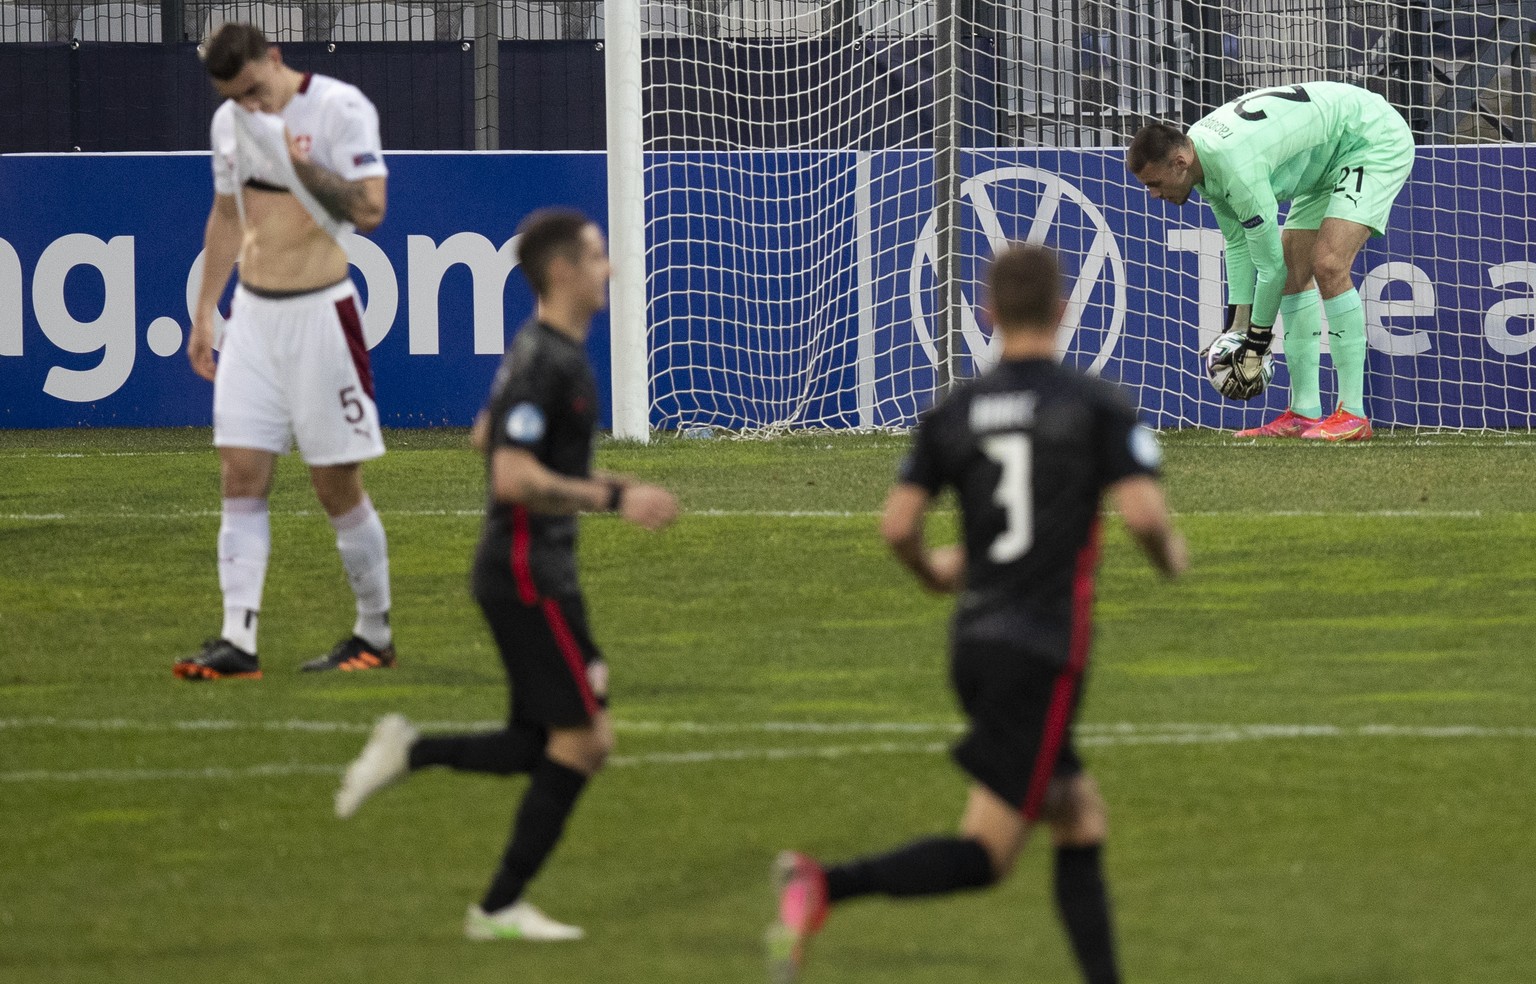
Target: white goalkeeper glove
1248	361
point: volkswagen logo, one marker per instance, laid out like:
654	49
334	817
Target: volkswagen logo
1021	203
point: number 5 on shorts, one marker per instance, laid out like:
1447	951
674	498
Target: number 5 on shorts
351	406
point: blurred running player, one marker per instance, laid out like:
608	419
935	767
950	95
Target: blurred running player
1030	448
536	432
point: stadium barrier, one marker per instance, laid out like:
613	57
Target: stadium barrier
99	263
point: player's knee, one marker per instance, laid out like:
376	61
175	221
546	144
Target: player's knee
601	748
1077	812
1000	862
584	749
1332	272
595	747
1297	281
1298	272
241	480
1298	269
995	861
339	488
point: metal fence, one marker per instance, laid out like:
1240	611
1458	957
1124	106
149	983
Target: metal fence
1069	73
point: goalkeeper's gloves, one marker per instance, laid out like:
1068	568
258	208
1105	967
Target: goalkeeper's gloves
1236	385
1248	362
1249	359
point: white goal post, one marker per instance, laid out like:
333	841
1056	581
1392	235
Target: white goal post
804	194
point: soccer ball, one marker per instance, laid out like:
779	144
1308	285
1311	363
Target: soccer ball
1219	357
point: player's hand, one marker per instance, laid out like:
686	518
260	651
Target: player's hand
295	149
1248	361
200	347
946	569
650	506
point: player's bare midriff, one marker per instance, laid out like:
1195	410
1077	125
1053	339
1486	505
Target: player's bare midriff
283	249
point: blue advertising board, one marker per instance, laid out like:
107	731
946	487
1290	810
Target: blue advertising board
782	285
100	263
779	326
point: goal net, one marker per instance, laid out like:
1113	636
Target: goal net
825	180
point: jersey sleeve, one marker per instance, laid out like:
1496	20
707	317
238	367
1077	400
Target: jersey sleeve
521	407
353	147
1239	262
923	465
221	139
1126	447
1253	207
1268	260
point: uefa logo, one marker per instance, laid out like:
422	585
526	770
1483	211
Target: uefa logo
1021	203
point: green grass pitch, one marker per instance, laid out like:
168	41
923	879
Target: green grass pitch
1317	748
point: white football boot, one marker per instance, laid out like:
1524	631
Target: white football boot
385	759
519	921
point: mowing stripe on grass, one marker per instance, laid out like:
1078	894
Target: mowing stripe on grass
1385	440
55	517
1108	734
154	775
209	451
677	727
619	761
1097	737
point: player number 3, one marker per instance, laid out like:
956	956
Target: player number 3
1012	454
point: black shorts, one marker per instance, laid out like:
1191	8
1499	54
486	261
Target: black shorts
1021	708
556	671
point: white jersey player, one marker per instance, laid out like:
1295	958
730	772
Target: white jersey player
297	165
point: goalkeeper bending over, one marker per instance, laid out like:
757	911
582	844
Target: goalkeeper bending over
1339	154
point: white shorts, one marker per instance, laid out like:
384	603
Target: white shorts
296	368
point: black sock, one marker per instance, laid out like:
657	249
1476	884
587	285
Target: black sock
1083	903
926	867
503	753
551	795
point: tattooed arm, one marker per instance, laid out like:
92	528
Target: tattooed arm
359	202
519	477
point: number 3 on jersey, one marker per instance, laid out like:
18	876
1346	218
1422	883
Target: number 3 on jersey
1014	494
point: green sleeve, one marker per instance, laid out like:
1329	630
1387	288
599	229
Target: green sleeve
1240	272
1269	266
1258	218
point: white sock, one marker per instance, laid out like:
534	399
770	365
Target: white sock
245	543
365	555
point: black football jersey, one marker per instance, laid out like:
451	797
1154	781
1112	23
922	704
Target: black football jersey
1029	448
544	400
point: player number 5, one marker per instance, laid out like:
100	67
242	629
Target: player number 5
1012	453
351	405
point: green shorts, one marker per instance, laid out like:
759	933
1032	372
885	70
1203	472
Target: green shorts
1365	183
